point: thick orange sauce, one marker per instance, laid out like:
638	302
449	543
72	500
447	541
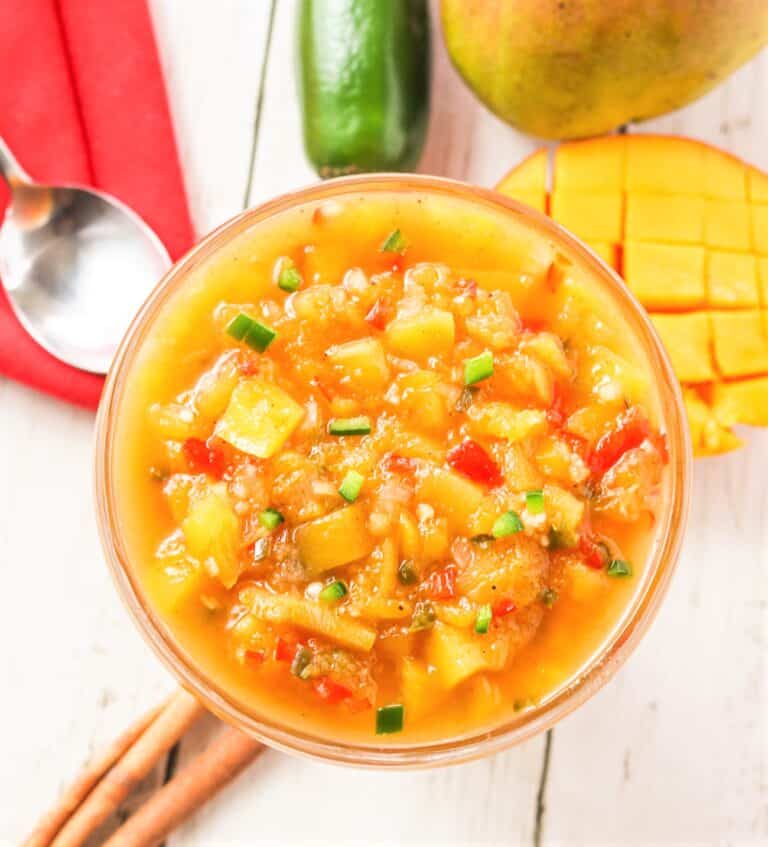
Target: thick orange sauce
206	447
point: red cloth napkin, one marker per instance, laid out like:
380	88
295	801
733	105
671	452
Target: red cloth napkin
83	101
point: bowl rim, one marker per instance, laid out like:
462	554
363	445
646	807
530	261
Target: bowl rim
615	648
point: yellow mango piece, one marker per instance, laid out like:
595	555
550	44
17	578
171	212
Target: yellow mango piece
431	332
609	253
665	217
212	534
421	687
457	654
665	276
727	225
740	343
452	496
708	436
502	420
593	421
744	401
762	278
564	511
732	280
724	175
596	165
760	229
664	165
259	419
421	401
688	341
594	215
361	365
529	175
613	378
334	540
757	186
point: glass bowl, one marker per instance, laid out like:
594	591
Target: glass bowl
615	648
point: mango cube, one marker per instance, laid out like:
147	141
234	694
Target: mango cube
334	540
762	278
732	280
665	276
677	218
595	216
212	534
724	175
259	419
708	436
760	229
688	341
726	225
452	496
430	332
740	343
361	365
757	186
596	165
744	401
609	253
458	654
666	165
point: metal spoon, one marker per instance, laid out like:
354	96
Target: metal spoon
76	265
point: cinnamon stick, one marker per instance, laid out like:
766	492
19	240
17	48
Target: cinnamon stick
71	799
150	746
187	791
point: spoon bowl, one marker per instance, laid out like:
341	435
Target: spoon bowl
76	265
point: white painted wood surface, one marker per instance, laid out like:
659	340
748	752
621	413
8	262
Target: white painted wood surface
673	751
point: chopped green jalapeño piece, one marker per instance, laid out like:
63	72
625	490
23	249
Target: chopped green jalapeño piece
534	501
507	524
619	568
483	619
290	279
255	334
389	718
270	519
360	425
393	243
407	573
301	662
351	485
333	592
478	368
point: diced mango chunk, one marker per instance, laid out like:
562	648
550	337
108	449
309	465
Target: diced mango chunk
212	534
502	420
727	225
565	513
688	340
422	688
762	276
732	280
708	436
453	497
361	365
596	165
334	540
259	419
612	376
744	401
675	218
529	175
724	175
665	276
595	216
740	343
757	183
664	165
430	332
458	654
760	229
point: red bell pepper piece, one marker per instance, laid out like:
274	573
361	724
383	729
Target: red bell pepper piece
330	691
285	650
503	607
470	459
594	554
395	463
255	657
441	585
205	457
632	429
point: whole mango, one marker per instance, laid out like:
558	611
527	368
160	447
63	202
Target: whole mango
575	68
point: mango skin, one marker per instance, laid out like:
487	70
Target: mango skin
577	68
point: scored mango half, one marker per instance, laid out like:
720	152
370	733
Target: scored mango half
686	225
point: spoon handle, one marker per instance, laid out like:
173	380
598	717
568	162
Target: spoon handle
11	171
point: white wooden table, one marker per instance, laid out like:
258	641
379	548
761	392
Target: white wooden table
673	751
